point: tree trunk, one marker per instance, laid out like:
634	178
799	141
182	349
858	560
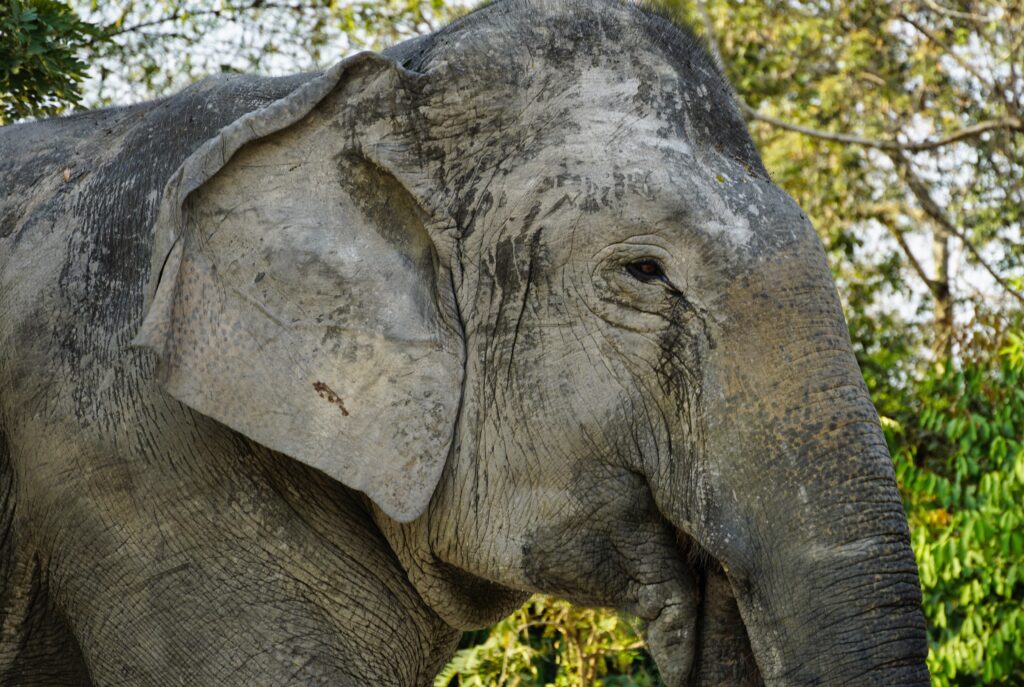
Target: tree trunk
942	345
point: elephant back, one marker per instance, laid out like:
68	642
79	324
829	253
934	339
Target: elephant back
80	195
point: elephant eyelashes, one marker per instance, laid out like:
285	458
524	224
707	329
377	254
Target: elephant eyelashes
646	271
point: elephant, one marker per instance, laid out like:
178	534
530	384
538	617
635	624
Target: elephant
301	377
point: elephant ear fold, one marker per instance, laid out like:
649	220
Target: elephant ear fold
302	288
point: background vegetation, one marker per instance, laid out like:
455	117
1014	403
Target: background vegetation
898	128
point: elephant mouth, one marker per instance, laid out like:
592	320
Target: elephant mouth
717	647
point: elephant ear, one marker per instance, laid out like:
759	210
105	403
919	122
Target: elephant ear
302	287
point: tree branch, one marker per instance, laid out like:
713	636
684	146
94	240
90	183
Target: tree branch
972	131
946	11
918	268
180	14
932	209
993	87
1010	123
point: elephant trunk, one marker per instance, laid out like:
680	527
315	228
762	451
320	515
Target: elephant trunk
791	492
826	584
811	557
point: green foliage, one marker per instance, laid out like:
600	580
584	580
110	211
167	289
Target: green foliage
958	448
40	70
550	643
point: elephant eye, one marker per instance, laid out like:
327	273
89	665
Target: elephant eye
646	270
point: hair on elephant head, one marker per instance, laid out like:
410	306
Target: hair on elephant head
526	284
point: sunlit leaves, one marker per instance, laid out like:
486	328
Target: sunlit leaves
960	464
550	643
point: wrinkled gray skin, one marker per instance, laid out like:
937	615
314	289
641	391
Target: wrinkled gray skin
373	365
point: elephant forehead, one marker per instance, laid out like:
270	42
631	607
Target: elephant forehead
620	175
539	65
614	150
629	96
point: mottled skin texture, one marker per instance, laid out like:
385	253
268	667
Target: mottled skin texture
168	549
694	445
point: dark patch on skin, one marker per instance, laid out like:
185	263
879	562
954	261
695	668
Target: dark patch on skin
485	204
504	64
720	124
506	274
590	204
685	344
325	392
464	212
724	656
389	207
616	503
531	216
610	571
558	205
536	260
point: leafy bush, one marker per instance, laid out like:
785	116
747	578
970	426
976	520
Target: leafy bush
959	455
39	67
549	642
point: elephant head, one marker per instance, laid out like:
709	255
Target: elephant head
526	284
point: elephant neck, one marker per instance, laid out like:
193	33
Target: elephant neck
295	584
463	600
387	634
